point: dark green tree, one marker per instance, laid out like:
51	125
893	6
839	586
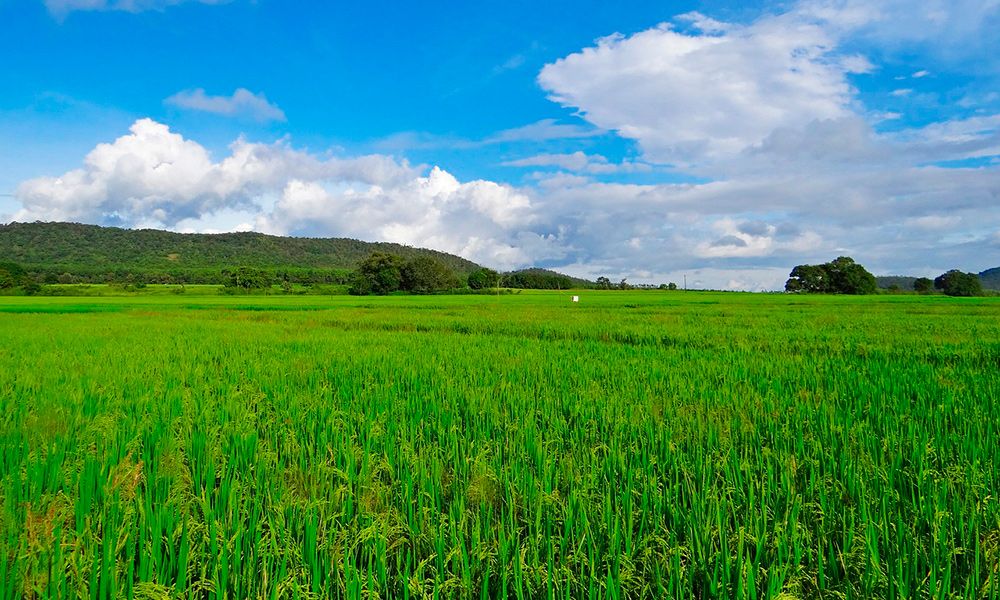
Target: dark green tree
537	279
923	285
957	283
848	277
6	280
839	276
381	273
11	275
484	278
360	285
425	274
603	283
812	279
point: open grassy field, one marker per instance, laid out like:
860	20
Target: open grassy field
637	445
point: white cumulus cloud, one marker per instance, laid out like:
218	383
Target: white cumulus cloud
480	220
701	94
155	175
708	93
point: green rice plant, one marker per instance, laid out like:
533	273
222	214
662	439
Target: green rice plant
639	445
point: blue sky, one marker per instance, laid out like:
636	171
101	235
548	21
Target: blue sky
648	140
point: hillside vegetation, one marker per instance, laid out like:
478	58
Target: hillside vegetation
94	253
991	278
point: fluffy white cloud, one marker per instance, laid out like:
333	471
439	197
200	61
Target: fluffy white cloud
711	93
480	220
61	8
243	103
155	175
704	95
754	239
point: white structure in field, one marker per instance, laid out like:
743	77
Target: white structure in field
576	298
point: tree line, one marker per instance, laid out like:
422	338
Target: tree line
386	273
382	273
377	274
844	276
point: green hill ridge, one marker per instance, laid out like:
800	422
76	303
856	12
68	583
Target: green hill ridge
92	252
991	278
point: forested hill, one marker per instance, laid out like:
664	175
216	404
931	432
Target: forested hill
90	251
991	278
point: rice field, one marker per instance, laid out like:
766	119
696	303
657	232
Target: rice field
637	445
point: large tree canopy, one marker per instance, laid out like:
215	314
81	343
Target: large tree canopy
424	274
11	275
839	276
383	273
483	278
380	273
923	285
957	283
247	278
